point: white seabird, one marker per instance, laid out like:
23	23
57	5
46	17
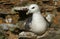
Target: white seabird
38	24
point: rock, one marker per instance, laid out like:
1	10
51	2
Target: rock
27	35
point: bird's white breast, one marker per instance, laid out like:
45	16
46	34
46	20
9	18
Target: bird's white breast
38	23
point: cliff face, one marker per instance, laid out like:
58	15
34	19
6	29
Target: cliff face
47	6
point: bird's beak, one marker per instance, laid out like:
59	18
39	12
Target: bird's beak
28	12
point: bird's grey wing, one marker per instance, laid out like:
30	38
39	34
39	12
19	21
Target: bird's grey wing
28	22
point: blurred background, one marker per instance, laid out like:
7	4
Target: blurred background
46	6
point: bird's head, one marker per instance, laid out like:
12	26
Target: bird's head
33	8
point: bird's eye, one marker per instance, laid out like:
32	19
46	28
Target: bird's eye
33	7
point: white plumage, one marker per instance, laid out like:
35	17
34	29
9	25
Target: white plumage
38	24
